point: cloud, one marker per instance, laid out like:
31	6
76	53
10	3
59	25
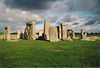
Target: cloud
29	4
58	5
76	13
94	20
86	5
17	15
89	28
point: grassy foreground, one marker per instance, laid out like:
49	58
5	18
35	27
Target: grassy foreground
38	53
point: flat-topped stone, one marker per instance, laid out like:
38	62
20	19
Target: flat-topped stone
29	32
53	34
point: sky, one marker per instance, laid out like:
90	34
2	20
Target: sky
78	14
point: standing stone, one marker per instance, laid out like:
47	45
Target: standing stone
22	34
18	34
85	35
40	35
46	29
7	33
82	34
73	34
29	33
59	32
63	31
37	35
69	35
53	34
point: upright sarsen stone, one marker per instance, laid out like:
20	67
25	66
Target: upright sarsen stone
83	35
46	29
53	34
73	34
69	35
7	33
18	34
30	33
59	32
22	34
63	31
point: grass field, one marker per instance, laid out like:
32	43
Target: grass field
38	53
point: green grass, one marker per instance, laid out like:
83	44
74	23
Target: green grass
38	53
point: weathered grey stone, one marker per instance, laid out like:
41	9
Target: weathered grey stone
83	35
30	33
7	33
22	34
53	34
40	35
18	34
63	31
69	35
46	29
59	32
73	34
69	38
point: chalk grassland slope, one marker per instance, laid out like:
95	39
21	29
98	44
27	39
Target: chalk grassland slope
24	53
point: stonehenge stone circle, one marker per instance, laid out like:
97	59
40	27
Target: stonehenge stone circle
49	33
